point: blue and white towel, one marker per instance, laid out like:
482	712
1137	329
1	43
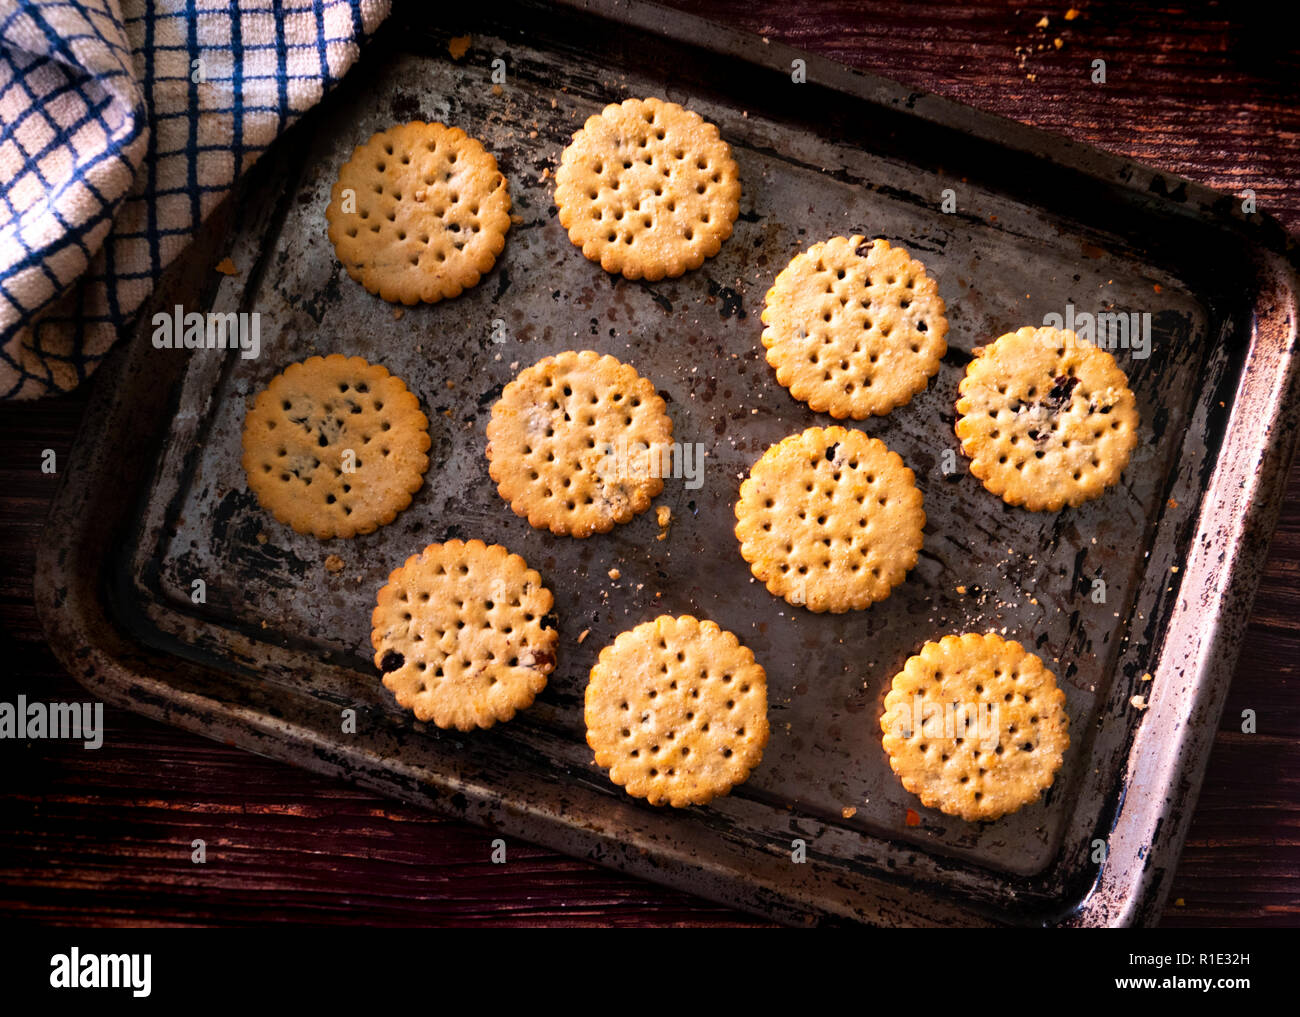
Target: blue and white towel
123	123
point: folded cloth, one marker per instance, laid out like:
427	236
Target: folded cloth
123	123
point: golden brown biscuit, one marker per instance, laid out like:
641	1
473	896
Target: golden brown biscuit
578	443
975	726
419	213
1046	418
830	519
648	189
335	446
854	327
676	710
460	634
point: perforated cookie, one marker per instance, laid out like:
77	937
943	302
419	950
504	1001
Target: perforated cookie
461	636
855	327
975	726
676	710
648	189
419	213
830	519
335	446
578	443
1047	419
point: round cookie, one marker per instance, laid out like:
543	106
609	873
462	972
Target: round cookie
648	189
830	519
427	215
335	446
577	443
1046	418
855	327
460	634
975	726
676	711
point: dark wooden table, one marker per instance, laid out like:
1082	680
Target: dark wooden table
103	838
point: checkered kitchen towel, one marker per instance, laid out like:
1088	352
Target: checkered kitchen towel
123	123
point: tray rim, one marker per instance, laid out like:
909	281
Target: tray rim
69	608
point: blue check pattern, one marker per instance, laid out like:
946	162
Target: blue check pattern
123	124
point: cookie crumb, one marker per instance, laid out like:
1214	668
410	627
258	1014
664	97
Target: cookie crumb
1042	22
227	267
1138	702
913	819
262	538
664	517
458	46
398	312
848	812
583	635
333	563
1071	14
615	574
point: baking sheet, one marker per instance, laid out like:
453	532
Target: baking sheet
278	622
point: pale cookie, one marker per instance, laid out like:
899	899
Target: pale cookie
676	711
975	726
648	189
419	212
854	327
460	634
1047	419
335	446
830	519
578	442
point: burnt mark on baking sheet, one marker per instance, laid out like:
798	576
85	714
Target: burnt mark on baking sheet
730	303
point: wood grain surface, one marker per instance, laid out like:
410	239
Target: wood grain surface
1207	91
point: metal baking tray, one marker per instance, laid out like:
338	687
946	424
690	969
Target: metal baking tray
155	497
